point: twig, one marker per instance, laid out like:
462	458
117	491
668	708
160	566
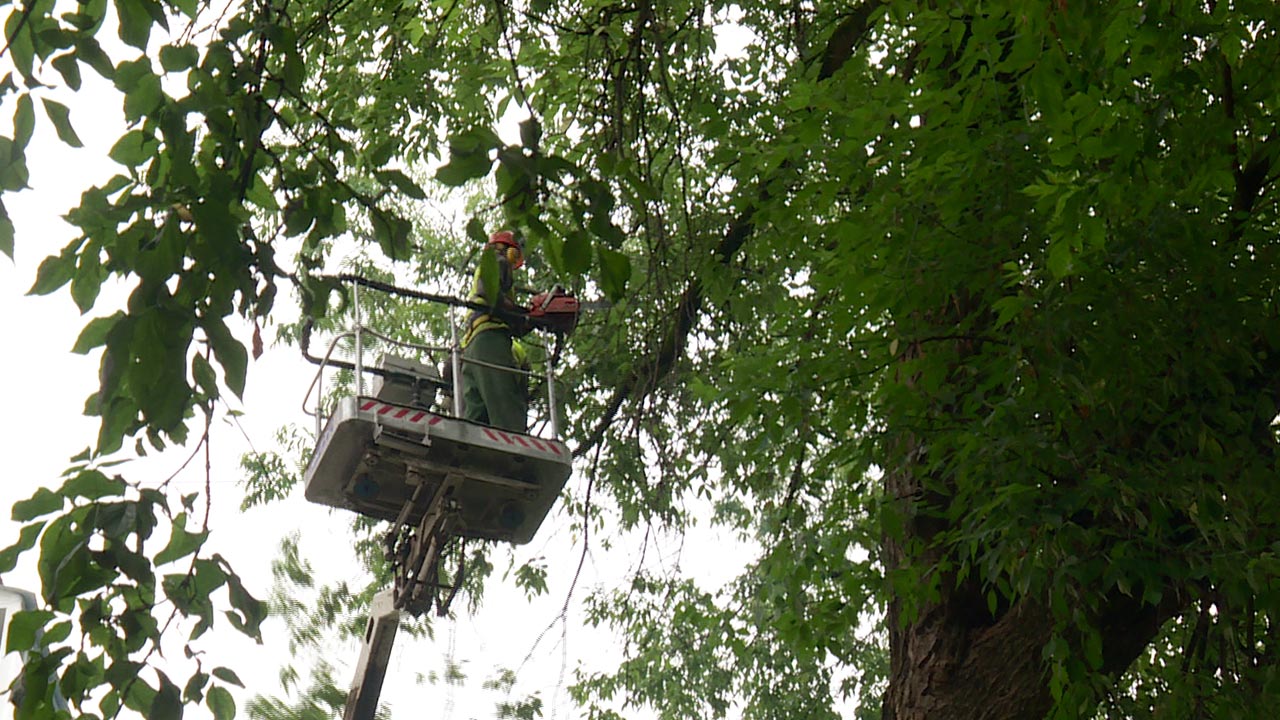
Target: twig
582	559
22	22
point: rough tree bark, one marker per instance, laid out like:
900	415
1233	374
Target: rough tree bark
955	659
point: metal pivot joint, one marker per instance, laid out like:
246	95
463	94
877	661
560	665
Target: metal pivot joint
415	550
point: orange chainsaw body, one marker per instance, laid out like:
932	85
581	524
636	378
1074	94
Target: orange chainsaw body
555	311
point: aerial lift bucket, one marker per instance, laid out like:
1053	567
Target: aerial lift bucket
397	454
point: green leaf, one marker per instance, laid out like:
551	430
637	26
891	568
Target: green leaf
382	153
392	233
14	174
95	333
90	16
54	272
552	249
615	271
294	72
69	68
253	610
598	197
1007	308
119	416
92	485
227	675
61	118
18	34
87	281
6	231
26	540
91	53
143	93
297	218
135	565
475	230
401	182
167	704
110	703
477	138
138	695
577	253
1060	259
81	677
556	168
230	353
49	39
133	148
181	542
259	194
24	120
465	167
204	376
67	566
42	502
530	133
1093	649
221	703
160	255
209	576
194	691
57	632
135	23
23	628
176	58
214	226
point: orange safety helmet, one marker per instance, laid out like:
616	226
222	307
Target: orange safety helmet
515	248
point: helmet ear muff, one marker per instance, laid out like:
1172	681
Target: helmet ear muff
515	257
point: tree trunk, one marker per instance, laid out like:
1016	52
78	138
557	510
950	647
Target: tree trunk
945	666
955	658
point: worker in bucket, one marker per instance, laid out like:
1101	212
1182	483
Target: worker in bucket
490	395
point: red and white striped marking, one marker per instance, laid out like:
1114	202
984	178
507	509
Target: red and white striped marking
399	413
528	442
550	447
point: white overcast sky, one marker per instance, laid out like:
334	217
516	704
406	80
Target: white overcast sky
44	387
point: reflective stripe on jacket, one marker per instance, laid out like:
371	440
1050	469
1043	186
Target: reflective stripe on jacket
479	321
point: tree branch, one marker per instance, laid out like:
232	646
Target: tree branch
646	376
22	23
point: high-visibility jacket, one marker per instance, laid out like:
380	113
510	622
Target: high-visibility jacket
479	321
520	354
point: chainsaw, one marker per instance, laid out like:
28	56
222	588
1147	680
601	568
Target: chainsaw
555	311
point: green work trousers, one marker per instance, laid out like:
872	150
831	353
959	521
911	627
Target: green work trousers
491	396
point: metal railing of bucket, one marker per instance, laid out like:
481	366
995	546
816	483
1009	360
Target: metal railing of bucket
453	351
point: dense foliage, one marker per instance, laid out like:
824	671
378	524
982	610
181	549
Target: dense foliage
965	312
